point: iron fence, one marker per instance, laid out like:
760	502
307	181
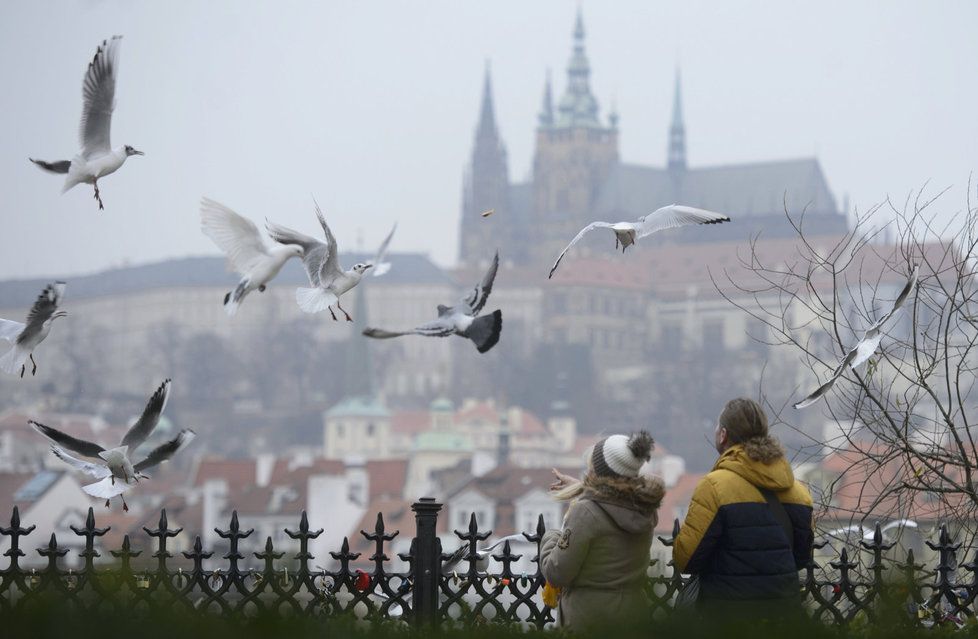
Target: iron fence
838	592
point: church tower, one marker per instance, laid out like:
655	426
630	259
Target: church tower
574	153
486	186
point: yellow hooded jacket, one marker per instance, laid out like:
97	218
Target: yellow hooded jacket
732	539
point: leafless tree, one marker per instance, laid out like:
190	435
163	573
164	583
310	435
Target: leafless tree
900	429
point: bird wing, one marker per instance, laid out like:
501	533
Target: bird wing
901	298
589	227
144	426
9	329
64	440
479	295
237	236
675	215
441	327
98	99
98	471
46	304
380	266
165	451
313	249
865	348
503	540
824	388
330	266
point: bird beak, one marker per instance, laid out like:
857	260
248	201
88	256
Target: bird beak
135	152
368	266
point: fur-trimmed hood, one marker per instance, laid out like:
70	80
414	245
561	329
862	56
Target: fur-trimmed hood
774	473
632	502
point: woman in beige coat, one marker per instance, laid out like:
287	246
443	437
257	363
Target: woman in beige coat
600	557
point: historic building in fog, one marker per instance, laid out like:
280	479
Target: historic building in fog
579	177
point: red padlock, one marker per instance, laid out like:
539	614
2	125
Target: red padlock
362	581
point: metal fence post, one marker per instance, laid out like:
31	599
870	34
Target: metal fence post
427	561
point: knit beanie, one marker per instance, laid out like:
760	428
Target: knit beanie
621	455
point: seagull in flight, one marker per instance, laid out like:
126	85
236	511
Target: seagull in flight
379	264
322	264
97	158
113	469
26	337
866	346
461	319
247	252
626	233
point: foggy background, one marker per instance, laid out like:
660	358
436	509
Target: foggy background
372	106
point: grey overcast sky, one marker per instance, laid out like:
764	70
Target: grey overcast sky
372	106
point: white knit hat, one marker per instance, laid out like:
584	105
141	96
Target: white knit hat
622	455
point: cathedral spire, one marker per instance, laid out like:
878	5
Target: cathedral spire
677	131
546	117
487	114
577	107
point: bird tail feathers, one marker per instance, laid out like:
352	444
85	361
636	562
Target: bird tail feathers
233	299
484	331
9	329
106	488
13	360
314	300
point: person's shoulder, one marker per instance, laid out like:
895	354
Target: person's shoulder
727	485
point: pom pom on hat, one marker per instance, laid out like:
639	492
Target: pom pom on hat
622	455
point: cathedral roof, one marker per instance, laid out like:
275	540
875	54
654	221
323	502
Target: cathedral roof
750	189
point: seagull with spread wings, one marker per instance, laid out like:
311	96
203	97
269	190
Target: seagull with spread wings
113	469
481	554
26	337
461	319
247	252
97	158
627	233
322	264
866	346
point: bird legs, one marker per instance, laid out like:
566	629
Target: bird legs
125	506
98	196
23	367
348	318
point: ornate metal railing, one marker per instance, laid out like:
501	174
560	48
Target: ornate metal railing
838	592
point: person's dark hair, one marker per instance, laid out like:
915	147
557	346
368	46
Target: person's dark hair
746	424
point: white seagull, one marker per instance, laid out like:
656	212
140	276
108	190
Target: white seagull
379	265
328	280
26	337
668	217
115	463
865	347
460	319
97	158
247	252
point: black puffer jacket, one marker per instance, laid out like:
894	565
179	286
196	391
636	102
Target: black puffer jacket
733	540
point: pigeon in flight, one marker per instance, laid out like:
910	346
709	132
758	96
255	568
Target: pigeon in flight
668	217
26	337
113	469
461	319
97	158
481	554
247	252
866	346
328	280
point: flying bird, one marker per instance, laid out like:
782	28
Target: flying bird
97	158
627	233
379	264
866	346
247	252
481	554
26	337
113	469
461	319
322	264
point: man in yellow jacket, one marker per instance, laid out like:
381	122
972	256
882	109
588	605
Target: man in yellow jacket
748	530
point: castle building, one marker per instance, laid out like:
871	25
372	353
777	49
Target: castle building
579	177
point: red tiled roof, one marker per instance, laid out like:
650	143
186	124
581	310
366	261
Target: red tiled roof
281	473
387	477
410	422
236	472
